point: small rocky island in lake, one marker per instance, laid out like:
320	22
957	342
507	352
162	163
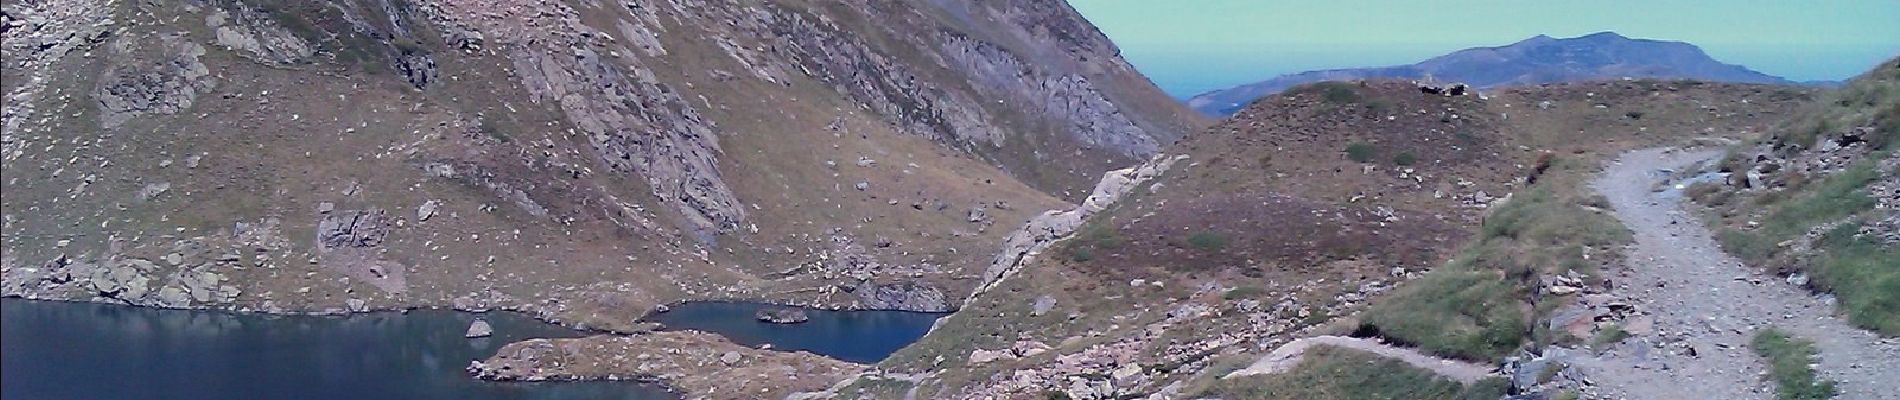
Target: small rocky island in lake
783	315
479	329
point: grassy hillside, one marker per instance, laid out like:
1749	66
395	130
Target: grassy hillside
1816	197
1484	304
1337	207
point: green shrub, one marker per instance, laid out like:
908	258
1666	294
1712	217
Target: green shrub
1360	152
1405	158
1207	240
1788	359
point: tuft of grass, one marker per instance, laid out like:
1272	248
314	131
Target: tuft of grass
1328	372
1608	336
494	133
1360	152
1788	358
1863	275
1081	254
1207	240
1464	314
1094	236
1405	158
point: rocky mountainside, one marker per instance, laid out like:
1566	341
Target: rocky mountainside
1540	59
583	161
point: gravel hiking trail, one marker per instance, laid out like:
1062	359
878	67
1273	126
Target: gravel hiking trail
1707	305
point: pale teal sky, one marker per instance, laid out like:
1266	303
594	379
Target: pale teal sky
1190	46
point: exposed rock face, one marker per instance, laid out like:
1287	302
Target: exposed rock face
1070	97
166	86
907	296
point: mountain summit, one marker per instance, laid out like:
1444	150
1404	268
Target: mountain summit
1539	59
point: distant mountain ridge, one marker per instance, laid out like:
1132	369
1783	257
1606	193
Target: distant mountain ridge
1539	59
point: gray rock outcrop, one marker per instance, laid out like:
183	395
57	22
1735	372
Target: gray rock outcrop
906	296
152	74
256	36
356	228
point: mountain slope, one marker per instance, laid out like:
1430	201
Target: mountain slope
1369	209
582	161
1540	59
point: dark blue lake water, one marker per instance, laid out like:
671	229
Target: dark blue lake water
856	336
78	351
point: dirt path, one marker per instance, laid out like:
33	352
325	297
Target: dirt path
1706	300
1287	356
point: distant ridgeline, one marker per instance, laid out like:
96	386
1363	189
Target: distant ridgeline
1540	59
